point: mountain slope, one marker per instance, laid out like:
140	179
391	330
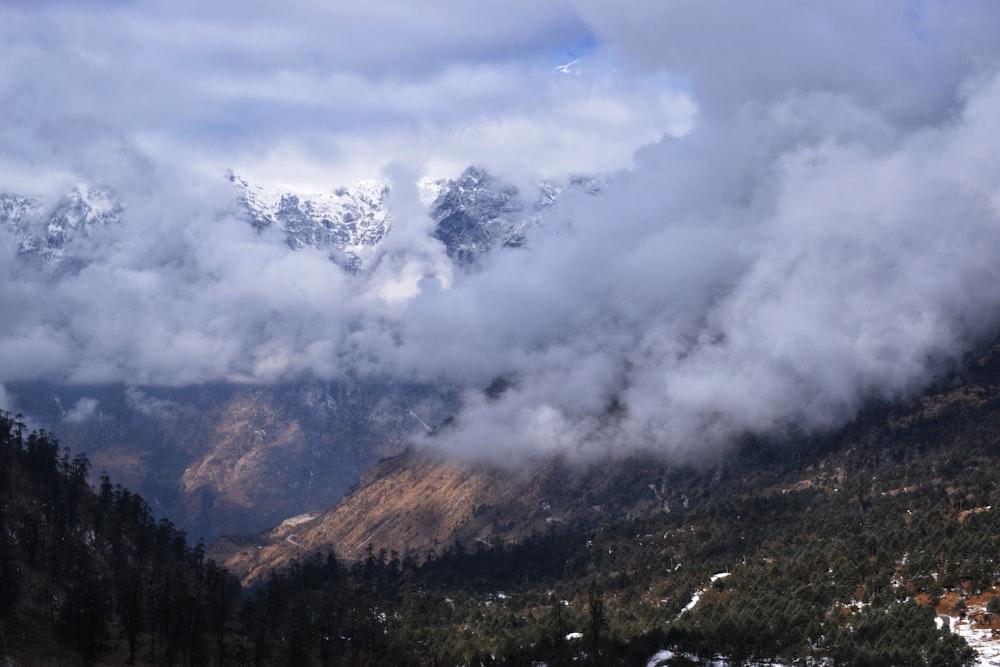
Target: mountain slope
223	459
874	545
89	576
840	555
415	502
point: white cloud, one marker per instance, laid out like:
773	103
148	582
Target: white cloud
735	52
814	225
323	94
81	411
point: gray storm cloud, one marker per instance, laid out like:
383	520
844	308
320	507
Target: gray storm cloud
827	232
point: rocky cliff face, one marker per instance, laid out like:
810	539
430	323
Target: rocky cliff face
477	214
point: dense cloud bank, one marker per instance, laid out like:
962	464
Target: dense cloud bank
826	232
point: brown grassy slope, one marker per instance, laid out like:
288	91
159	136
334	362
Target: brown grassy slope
415	502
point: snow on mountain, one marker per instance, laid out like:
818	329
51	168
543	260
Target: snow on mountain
475	214
45	233
347	223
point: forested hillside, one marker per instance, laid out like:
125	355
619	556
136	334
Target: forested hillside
91	576
847	551
844	547
852	548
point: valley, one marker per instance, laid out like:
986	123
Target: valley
295	489
500	334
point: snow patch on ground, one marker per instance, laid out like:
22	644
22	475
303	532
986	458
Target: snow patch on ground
661	657
981	639
299	520
697	595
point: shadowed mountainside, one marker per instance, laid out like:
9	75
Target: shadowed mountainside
224	459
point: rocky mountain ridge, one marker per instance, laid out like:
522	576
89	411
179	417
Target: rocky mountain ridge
474	214
348	223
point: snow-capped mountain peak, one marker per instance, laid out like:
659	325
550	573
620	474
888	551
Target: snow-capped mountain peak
475	214
347	223
45	233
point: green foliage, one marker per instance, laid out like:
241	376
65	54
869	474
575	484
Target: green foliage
903	634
